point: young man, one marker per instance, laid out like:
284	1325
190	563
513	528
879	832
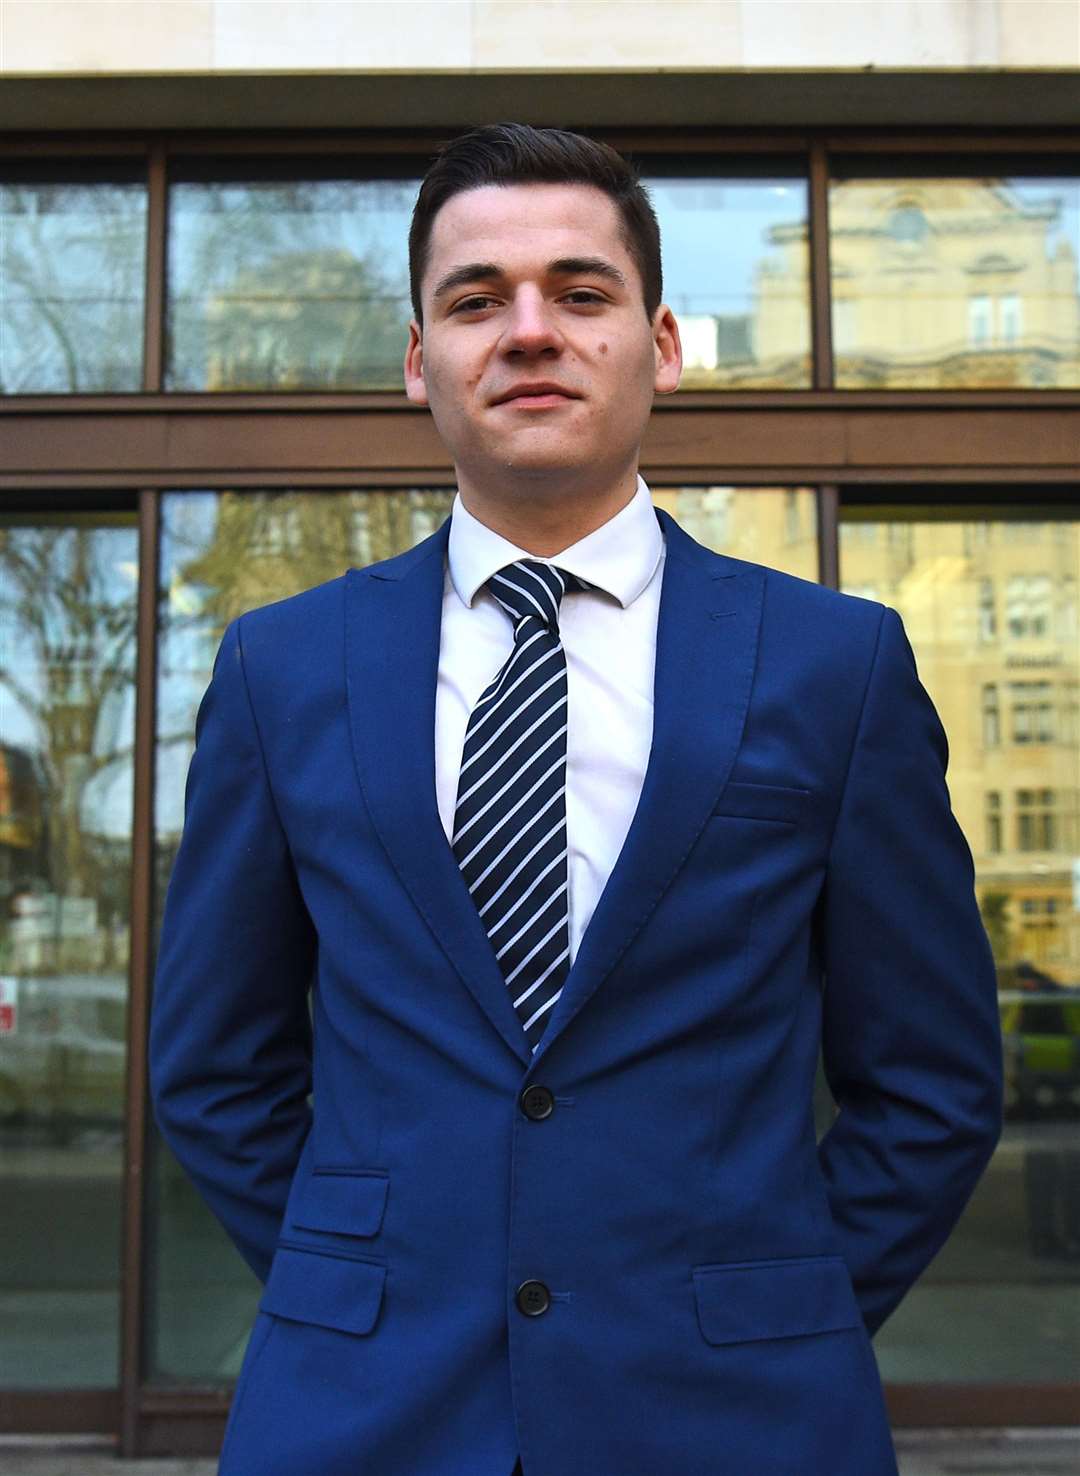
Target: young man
581	839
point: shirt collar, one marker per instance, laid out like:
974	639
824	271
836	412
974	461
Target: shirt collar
620	556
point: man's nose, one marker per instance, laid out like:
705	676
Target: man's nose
531	325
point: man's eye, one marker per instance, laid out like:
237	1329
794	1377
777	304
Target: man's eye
585	295
472	304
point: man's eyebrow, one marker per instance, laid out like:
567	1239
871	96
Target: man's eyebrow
472	271
564	266
587	266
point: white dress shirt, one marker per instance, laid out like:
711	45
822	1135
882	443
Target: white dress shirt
609	636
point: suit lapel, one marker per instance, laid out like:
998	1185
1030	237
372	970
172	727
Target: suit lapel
393	615
706	645
710	610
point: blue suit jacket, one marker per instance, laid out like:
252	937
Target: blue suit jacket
793	877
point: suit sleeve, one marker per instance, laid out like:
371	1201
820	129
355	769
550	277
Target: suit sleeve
230	1031
911	1036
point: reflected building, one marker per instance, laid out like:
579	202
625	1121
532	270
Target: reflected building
991	610
941	284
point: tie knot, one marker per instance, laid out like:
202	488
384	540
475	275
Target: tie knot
529	589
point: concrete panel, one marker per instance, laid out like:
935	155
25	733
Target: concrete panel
105	36
374	35
850	33
128	37
1040	33
594	34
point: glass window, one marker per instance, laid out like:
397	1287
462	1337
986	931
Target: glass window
980	319
736	276
993	822
223	553
987	607
72	283
1028	604
959	281
287	284
1070	713
67	717
776	526
1036	820
1032	712
1011	311
1011	1261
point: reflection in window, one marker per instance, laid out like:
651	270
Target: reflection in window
1070	714
958	281
221	554
1027	603
275	529
1032	712
1006	688
987	605
1010	318
67	709
1013	778
288	284
993	822
845	324
767	525
1036	820
980	319
793	509
736	276
862	591
360	536
72	267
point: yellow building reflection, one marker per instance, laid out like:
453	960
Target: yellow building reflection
954	283
990	608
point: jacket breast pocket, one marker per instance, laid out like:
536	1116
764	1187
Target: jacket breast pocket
342	1201
742	1302
780	803
326	1288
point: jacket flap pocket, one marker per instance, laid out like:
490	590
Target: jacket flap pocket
331	1291
740	1302
762	802
348	1203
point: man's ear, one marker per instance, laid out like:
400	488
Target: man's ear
415	388
668	350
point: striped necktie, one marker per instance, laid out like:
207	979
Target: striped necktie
510	817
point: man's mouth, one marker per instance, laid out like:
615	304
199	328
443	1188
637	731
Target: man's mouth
536	396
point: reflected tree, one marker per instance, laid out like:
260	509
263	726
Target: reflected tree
67	670
994	908
267	545
72	258
285	286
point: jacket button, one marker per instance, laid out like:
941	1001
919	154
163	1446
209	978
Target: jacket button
533	1298
537	1103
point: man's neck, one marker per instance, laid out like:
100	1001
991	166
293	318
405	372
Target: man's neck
543	526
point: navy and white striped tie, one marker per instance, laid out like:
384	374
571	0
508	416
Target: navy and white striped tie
510	817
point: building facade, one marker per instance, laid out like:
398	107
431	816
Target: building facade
871	227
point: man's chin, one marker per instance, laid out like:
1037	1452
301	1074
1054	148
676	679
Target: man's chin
548	468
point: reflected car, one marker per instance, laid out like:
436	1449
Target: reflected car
1040	1024
62	1067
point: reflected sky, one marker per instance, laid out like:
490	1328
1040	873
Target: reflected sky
715	233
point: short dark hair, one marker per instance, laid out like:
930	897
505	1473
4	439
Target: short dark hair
515	153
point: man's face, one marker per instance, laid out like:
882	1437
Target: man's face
536	355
